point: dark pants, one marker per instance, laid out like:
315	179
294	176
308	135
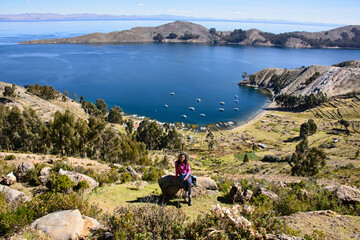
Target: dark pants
187	184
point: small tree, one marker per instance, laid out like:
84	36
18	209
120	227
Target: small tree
306	161
244	75
102	106
246	158
304	130
115	115
346	124
158	38
10	91
212	31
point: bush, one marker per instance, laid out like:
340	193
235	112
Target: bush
147	222
60	183
81	186
271	158
152	174
125	177
10	157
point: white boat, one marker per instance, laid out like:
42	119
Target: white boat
236	109
184	116
166	106
191	108
222	103
198	100
172	94
202	115
221	109
236	96
236	101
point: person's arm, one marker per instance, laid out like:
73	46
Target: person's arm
188	171
176	170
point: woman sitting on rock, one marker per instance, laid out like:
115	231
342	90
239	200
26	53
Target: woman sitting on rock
182	169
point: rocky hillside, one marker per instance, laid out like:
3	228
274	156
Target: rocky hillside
181	31
178	31
44	108
333	80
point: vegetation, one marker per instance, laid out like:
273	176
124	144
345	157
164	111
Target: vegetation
308	129
158	38
236	36
303	102
187	36
45	92
10	91
172	36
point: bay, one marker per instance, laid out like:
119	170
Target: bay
140	77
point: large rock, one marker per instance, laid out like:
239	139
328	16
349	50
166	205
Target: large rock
170	186
44	175
12	195
66	225
78	177
133	173
9	179
24	167
281	237
345	193
268	193
237	195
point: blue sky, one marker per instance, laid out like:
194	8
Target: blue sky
321	11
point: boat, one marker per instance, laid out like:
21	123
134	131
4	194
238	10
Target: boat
221	109
191	108
166	106
172	94
184	116
198	100
236	109
236	96
236	101
202	115
222	103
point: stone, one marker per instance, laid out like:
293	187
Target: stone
171	187
69	224
24	167
268	193
133	173
12	195
345	193
281	237
44	175
78	177
9	179
237	195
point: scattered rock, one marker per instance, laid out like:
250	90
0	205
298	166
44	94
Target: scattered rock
24	167
237	195
268	193
9	179
140	184
118	165
66	225
78	177
12	195
281	237
345	193
44	175
133	173
171	187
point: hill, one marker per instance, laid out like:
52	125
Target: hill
339	79
182	31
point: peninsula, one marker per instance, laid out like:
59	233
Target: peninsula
183	31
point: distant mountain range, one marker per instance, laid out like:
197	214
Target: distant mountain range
183	31
90	16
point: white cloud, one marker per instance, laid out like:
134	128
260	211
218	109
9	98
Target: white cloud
178	11
140	4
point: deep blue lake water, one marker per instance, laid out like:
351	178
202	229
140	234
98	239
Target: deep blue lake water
140	77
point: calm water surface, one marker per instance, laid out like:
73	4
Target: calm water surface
140	77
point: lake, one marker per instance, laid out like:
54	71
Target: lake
140	77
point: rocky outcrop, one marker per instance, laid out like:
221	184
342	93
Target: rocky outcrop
140	34
345	193
78	177
68	224
44	175
9	179
12	195
24	167
133	173
281	237
171	187
335	80
263	191
238	195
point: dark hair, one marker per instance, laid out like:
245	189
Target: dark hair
186	158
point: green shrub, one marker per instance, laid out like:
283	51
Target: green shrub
81	186
147	222
270	158
125	177
10	157
62	164
152	174
60	183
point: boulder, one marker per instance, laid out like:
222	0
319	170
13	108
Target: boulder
44	175
133	173
68	224
171	187
78	177
237	195
345	193
281	237
24	167
268	193
12	195
9	179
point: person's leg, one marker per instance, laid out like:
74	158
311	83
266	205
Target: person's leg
188	183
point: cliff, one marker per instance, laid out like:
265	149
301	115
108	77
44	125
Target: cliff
339	79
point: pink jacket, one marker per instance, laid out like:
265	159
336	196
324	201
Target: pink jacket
182	168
